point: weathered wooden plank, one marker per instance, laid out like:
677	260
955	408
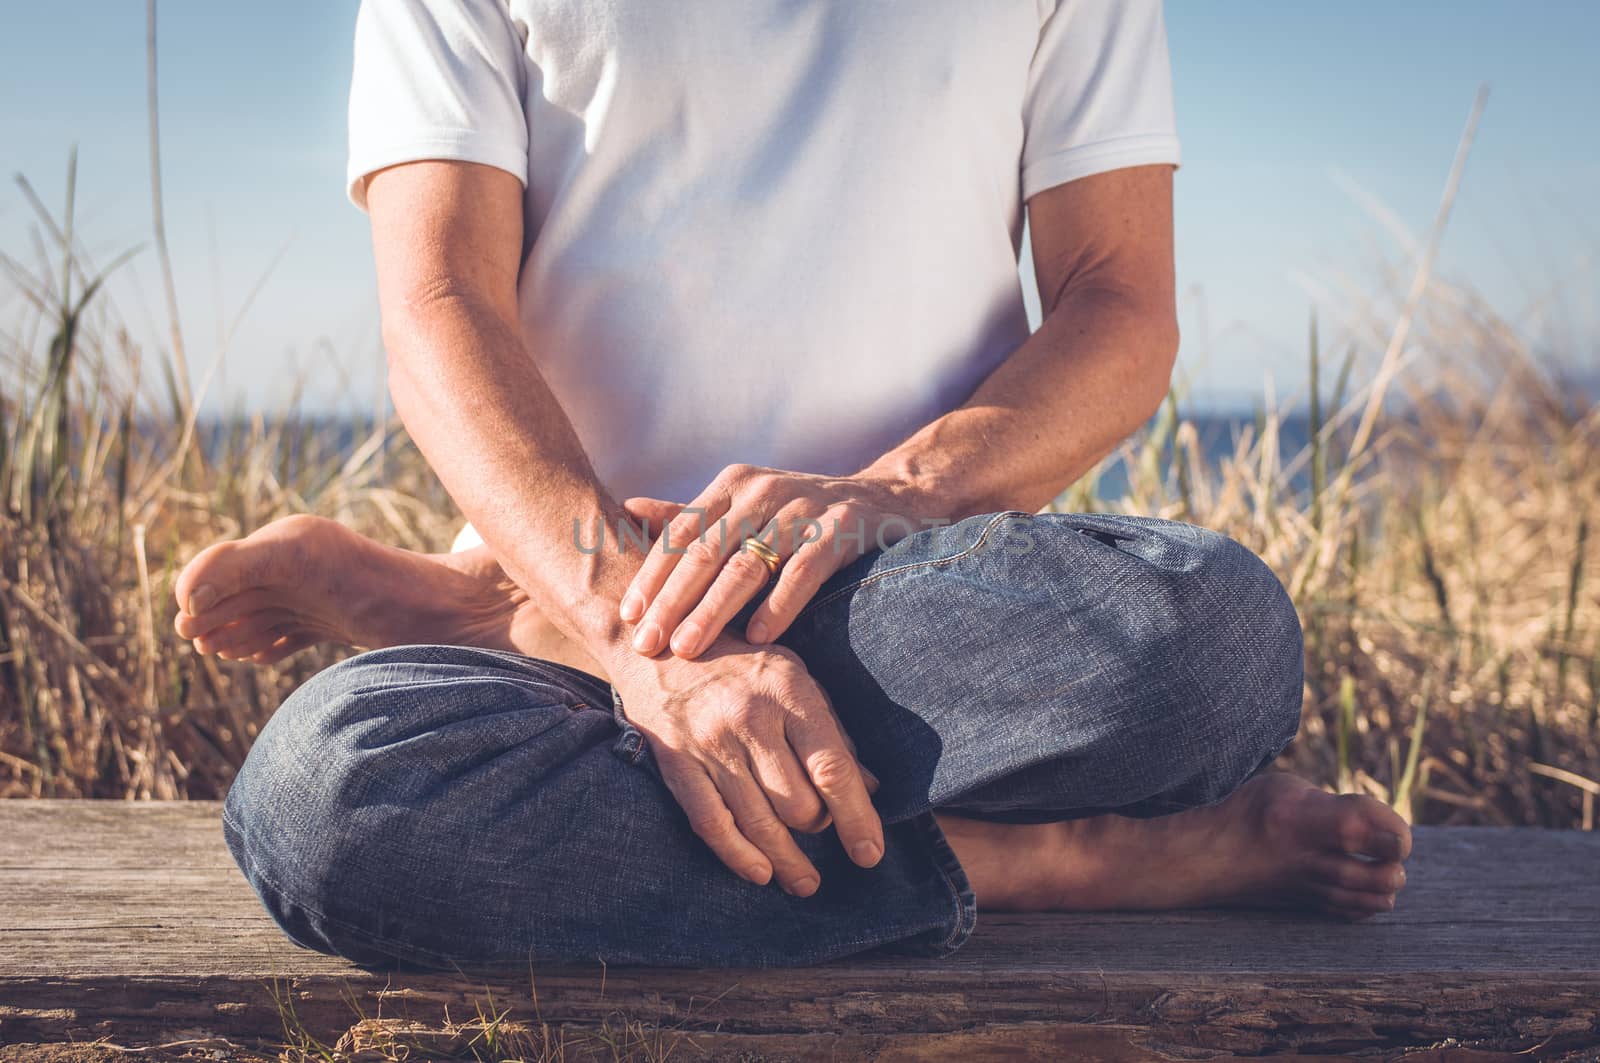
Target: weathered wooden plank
161	937
1547	884
1241	1014
1497	940
95	834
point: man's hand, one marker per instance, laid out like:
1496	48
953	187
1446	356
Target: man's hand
750	747
696	577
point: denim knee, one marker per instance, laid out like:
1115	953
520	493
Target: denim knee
367	816
1245	642
287	815
1211	641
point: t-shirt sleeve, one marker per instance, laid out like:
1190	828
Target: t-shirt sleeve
1099	93
435	79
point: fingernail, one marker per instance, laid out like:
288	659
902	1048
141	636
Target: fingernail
756	632
648	637
865	854
202	598
686	639
632	606
805	887
872	780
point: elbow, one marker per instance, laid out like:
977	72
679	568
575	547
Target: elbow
396	365
417	312
1136	329
1159	351
416	328
407	362
398	341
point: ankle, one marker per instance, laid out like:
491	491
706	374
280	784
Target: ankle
1010	866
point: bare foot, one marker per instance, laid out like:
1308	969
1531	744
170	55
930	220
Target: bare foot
1277	841
304	580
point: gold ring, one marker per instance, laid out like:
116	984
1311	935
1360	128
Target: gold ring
767	554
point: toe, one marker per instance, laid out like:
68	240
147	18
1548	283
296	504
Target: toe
1359	903
1354	873
1351	915
254	633
216	573
277	554
191	625
1355	824
284	647
1368	827
248	651
216	643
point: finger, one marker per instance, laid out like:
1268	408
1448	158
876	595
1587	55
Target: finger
832	715
743	576
788	788
693	539
696	570
873	783
798	582
757	821
839	780
702	562
710	818
651	514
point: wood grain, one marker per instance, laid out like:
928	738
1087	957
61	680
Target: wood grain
131	921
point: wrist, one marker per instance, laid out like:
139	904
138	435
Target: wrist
907	489
624	668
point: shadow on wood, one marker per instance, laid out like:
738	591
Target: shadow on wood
129	921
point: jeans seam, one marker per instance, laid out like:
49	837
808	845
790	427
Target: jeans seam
817	603
949	868
629	732
390	688
548	672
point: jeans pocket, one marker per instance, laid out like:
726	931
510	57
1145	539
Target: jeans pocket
933	547
631	745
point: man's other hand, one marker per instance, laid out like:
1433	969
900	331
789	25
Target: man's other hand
698	576
750	747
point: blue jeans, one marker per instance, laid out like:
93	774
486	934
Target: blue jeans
445	806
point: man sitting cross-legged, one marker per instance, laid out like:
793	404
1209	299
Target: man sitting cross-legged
766	656
1274	841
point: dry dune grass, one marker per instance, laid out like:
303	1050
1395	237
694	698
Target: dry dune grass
1437	535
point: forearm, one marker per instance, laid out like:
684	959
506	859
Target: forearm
1096	369
477	407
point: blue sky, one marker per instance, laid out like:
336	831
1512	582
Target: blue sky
1292	114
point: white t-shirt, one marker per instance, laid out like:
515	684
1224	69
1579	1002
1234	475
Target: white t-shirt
782	232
